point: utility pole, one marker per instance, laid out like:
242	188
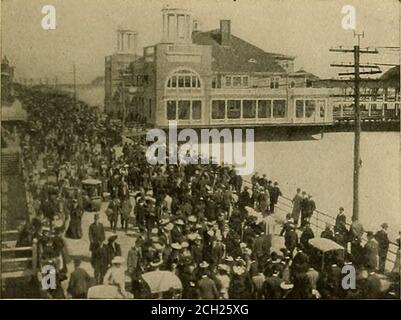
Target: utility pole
357	51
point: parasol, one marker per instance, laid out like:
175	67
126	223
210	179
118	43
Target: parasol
104	292
162	281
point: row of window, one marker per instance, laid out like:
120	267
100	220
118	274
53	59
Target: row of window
184	109
240	81
183	81
248	109
308	108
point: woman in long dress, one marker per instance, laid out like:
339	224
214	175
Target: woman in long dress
74	230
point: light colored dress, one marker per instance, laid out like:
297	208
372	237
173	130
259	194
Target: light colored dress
225	284
115	276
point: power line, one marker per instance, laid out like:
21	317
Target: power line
356	65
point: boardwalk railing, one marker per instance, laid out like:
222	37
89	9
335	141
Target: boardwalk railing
319	220
17	262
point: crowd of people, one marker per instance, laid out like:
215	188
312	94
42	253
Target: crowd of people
202	223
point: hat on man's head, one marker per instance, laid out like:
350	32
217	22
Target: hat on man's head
156	263
117	260
192	218
112	236
179	222
176	246
384	225
203	264
164	221
223	267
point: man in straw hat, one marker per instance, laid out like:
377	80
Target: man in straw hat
383	243
207	287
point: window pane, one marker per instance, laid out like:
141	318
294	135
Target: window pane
214	82
171	110
299	108
245	81
233	109
228	81
279	108
174	81
249	109
264	108
196	109
187	81
321	105
169	83
310	108
218	109
194	82
236	81
181	81
183	109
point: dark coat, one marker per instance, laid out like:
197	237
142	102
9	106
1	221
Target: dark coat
207	288
96	235
74	230
79	283
382	240
111	251
271	288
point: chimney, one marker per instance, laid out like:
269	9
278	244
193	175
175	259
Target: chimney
225	32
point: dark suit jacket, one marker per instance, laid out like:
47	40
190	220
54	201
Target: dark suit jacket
271	288
96	235
110	252
382	240
207	289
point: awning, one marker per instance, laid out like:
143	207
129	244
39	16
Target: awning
13	112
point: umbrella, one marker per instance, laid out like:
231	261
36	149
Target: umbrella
104	292
162	281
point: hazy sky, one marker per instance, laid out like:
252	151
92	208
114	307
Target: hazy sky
85	31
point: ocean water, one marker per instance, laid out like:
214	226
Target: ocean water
324	168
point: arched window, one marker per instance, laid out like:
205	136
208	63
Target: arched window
183	79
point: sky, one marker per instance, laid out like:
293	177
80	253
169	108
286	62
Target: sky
86	31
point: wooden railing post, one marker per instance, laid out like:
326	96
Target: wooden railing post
34	257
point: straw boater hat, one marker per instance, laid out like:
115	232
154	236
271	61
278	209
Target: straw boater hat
238	270
176	246
179	222
156	263
117	260
164	221
203	264
192	218
111	236
286	286
184	244
154	231
223	267
191	236
169	226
